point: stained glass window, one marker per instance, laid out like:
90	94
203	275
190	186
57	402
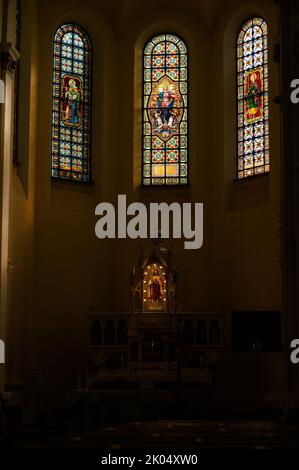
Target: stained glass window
154	288
165	107
253	99
71	104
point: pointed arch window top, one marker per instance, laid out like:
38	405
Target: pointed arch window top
252	29
165	111
71	104
253	99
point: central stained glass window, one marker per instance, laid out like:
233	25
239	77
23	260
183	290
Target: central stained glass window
71	104
165	108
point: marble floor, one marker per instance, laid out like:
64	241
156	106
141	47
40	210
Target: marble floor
171	434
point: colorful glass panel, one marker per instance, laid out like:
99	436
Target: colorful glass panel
154	288
71	105
165	102
253	99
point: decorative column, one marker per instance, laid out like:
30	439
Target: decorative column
289	14
8	60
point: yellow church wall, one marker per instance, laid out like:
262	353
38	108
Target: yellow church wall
246	251
10	5
247	217
52	222
5	178
73	271
139	29
21	184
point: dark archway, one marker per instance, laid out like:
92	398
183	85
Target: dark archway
215	333
109	334
188	333
153	349
134	352
96	333
122	333
201	332
172	352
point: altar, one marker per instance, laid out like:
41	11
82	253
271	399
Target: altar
153	354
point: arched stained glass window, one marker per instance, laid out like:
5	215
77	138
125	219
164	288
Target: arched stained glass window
71	104
165	105
253	99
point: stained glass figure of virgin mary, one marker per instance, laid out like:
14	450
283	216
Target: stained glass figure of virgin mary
165	107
